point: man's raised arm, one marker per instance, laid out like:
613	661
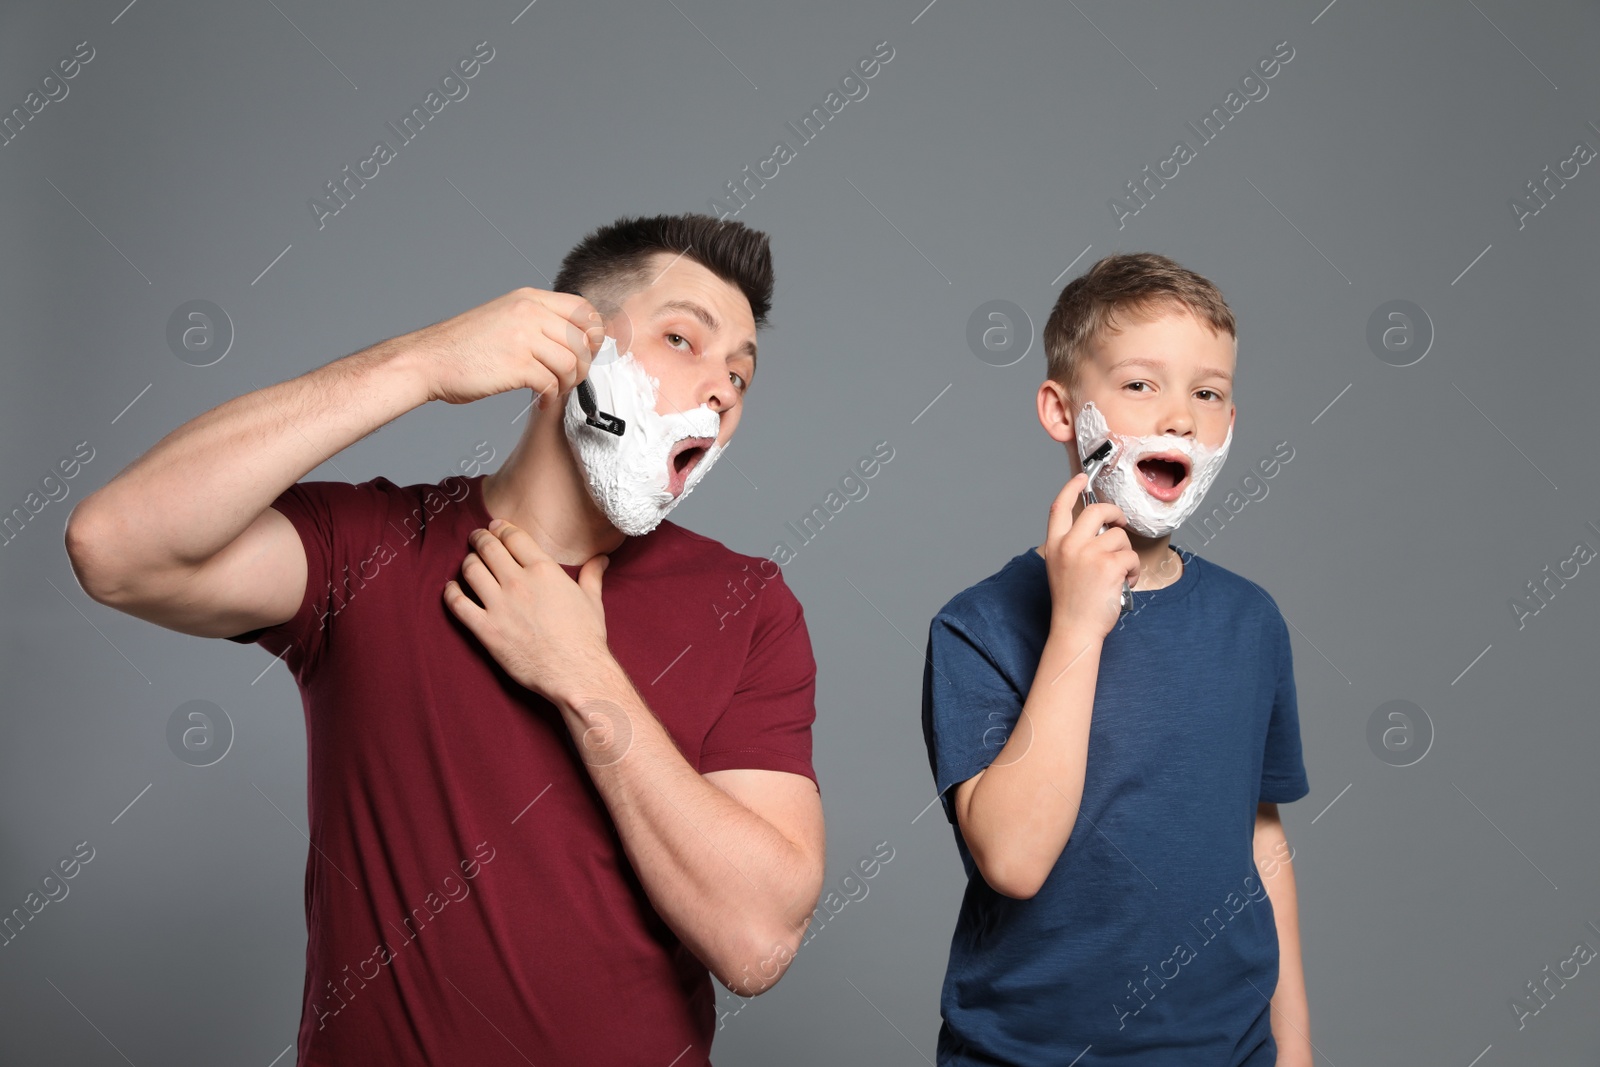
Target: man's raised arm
185	536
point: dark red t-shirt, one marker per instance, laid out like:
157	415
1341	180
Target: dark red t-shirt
468	899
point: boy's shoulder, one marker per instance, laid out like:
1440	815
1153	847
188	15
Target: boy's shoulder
1002	599
1231	603
1222	584
1018	595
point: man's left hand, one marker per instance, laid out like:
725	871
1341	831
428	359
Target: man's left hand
547	631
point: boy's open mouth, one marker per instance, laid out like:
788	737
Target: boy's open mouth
1164	475
682	459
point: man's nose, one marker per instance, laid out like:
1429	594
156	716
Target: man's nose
717	392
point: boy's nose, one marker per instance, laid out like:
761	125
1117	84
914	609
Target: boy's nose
1178	423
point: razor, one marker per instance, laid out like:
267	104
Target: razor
1093	464
594	416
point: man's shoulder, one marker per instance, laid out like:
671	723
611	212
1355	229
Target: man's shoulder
376	511
734	578
685	542
685	550
381	489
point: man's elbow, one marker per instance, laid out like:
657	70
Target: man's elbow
85	544
761	960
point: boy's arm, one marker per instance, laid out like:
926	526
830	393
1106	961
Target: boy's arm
1017	813
1291	1015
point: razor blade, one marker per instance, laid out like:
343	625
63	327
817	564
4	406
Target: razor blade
1093	464
593	415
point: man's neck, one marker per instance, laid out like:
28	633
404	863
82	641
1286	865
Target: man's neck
540	488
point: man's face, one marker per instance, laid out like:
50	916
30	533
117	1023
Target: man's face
1169	375
695	333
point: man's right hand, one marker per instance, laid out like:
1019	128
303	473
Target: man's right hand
1086	571
527	339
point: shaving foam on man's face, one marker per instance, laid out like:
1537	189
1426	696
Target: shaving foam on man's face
1157	480
637	478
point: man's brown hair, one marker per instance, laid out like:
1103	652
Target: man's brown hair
1134	285
613	262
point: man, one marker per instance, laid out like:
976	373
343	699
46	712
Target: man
550	783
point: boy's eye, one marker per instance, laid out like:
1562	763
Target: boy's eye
1213	392
1130	385
741	384
678	336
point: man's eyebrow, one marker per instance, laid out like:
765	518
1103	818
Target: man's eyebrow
1157	364
705	316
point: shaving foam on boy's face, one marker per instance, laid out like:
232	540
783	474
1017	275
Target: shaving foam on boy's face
1176	468
637	478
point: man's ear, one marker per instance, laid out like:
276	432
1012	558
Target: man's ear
1055	411
618	324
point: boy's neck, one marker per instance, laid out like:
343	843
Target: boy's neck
1159	563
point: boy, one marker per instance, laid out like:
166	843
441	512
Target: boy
1113	776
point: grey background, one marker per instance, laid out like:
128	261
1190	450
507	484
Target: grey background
1418	502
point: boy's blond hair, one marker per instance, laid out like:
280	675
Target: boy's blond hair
1135	285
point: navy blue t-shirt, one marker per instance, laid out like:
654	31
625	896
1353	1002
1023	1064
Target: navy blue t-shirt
1152	941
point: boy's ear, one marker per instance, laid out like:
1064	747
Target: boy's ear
1055	411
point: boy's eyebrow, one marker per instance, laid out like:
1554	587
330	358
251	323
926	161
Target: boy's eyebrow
1158	364
699	312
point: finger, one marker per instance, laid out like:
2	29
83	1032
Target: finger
569	306
544	384
563	350
574	308
1116	543
580	330
1094	516
1060	520
494	553
587	318
480	579
589	575
522	545
463	607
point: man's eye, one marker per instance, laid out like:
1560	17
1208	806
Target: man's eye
678	336
739	378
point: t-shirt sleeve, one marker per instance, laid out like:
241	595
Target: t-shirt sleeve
969	706
340	525
1283	771
767	725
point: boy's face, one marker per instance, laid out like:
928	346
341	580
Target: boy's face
1168	375
695	333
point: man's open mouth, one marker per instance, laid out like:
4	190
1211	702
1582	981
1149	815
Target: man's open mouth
683	458
1164	475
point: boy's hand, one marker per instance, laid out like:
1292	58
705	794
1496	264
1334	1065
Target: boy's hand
526	339
1087	571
